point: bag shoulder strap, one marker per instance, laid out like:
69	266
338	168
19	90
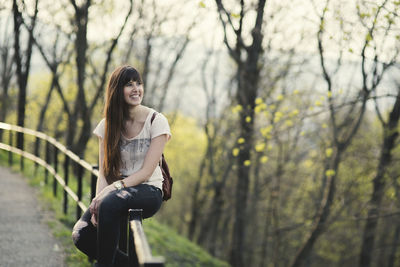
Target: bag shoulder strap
162	158
153	117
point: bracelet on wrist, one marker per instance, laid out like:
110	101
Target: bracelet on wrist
119	184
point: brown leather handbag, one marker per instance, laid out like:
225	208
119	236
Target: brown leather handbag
167	181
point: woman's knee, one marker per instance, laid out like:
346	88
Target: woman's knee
113	203
77	231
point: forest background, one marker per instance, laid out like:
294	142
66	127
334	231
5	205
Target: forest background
284	114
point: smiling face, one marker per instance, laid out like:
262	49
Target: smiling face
133	93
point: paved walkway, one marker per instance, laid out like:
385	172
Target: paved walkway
25	238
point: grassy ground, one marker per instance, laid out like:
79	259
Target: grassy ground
177	250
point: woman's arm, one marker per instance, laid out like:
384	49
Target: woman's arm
100	185
101	181
150	162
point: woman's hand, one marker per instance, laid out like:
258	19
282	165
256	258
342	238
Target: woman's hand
93	219
97	200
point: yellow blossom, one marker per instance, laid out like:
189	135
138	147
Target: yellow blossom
318	103
235	15
264	159
235	152
248	119
260	147
247	163
330	173
237	109
329	94
294	112
272	107
278	116
289	123
240	140
328	152
324	125
303	133
280	97
269	147
258	101
260	108
295	92
266	130
201	4
308	163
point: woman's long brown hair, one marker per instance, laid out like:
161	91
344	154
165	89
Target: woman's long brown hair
116	112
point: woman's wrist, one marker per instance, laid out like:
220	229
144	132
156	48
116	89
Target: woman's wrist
118	185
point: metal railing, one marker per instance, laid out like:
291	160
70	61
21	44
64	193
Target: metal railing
140	249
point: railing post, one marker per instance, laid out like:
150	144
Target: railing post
56	170
47	158
20	145
141	250
36	152
123	244
66	178
93	183
79	192
10	154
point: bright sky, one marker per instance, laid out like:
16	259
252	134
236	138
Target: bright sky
290	23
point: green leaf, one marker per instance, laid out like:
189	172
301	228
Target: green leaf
235	15
368	38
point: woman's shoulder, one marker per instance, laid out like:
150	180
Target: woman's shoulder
99	129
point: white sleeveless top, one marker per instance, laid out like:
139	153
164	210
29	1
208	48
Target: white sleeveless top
134	150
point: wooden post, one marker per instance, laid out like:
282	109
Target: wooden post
47	159
141	251
93	183
79	193
10	154
37	152
21	159
20	144
56	170
66	177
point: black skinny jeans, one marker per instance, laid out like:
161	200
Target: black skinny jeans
101	243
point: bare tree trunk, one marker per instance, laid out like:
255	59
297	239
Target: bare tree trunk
22	67
6	75
265	236
248	74
254	212
393	249
390	133
385	234
42	115
82	107
342	133
196	204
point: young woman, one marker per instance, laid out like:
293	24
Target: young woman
130	147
